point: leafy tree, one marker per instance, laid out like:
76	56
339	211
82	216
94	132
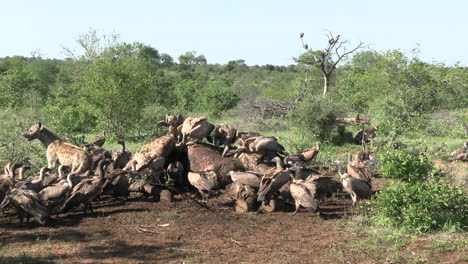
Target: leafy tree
185	92
216	97
45	73
117	81
118	89
235	65
166	60
191	59
17	89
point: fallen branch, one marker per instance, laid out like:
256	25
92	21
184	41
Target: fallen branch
140	229
237	242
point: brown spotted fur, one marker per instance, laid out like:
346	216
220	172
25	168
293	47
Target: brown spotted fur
60	152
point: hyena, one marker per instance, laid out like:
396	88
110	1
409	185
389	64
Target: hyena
60	152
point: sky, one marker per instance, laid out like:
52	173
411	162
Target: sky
257	31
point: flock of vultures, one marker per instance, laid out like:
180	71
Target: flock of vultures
257	170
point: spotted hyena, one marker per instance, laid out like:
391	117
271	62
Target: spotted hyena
60	152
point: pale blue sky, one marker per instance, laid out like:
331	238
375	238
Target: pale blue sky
260	32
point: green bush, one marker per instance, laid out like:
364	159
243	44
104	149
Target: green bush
215	98
71	120
391	115
405	166
422	207
15	147
318	116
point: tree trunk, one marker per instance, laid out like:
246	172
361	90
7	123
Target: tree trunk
303	90
326	84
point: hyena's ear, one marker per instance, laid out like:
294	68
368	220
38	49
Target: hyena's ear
39	124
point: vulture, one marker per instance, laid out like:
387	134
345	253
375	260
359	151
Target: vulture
272	181
27	203
304	194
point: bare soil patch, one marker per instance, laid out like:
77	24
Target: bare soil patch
142	230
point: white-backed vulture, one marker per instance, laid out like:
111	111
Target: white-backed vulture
357	188
121	157
55	195
304	155
264	145
86	191
27	203
99	141
461	154
117	183
197	128
224	135
272	181
35	184
304	194
245	181
204	182
359	169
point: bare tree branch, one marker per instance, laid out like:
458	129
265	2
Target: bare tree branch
328	59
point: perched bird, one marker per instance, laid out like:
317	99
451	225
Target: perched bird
121	157
302	173
461	154
245	180
204	182
264	145
224	135
304	155
175	173
242	137
272	181
7	181
304	194
355	187
117	183
100	140
358	169
364	135
249	178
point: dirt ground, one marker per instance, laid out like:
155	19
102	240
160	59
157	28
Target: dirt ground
142	230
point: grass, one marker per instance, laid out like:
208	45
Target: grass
38	252
447	242
394	245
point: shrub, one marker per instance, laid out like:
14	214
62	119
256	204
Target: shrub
422	207
71	120
392	116
318	116
405	166
215	98
15	147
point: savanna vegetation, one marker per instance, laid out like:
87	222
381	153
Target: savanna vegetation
126	88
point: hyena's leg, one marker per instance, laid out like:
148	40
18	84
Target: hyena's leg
81	168
51	159
51	163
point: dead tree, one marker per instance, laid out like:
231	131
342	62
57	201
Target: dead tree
327	59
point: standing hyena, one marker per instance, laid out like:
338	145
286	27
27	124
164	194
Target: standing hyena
59	151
